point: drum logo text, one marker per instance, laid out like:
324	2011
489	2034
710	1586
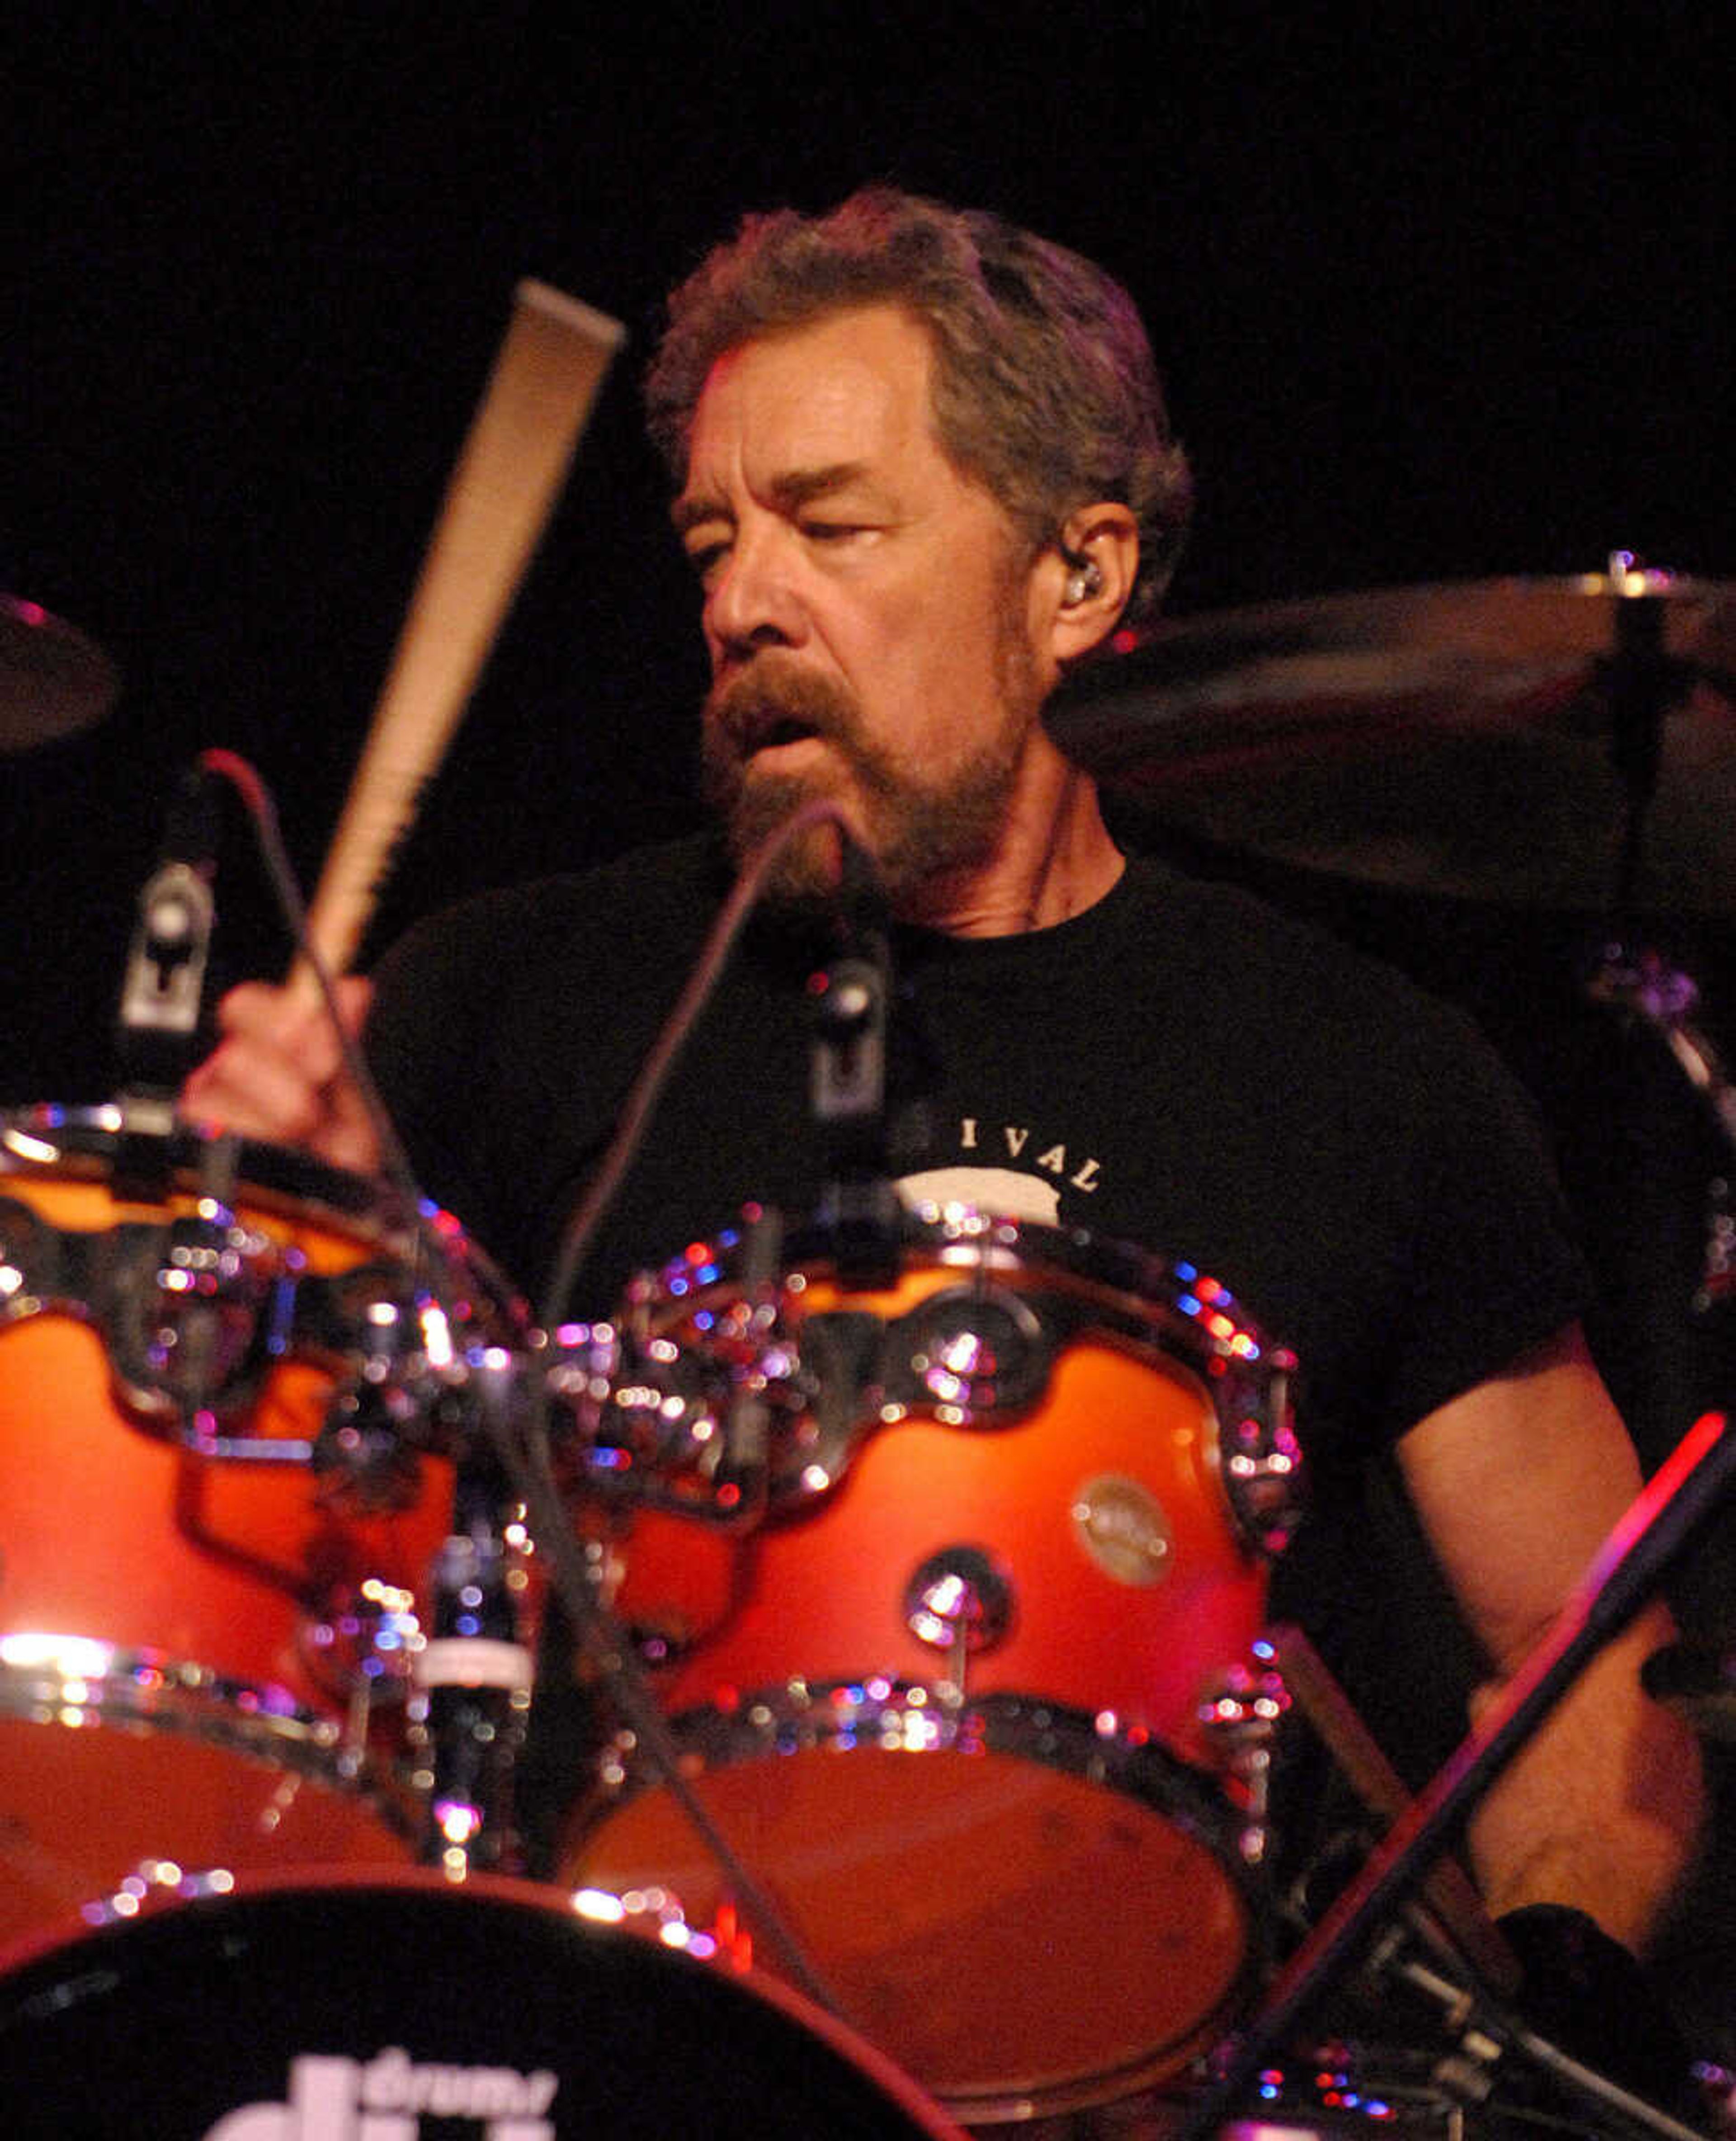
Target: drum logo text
1017	1135
385	2099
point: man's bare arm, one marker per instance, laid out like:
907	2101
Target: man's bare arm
1517	1483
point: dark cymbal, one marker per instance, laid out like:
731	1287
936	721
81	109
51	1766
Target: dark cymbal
1485	739
53	681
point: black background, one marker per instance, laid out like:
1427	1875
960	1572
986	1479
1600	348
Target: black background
1437	296
1434	300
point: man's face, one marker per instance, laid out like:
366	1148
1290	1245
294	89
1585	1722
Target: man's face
866	606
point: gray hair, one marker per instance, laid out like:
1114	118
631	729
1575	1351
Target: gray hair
1045	389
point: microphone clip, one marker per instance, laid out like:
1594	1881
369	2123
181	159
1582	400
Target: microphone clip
163	990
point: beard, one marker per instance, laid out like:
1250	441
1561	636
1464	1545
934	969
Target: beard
921	830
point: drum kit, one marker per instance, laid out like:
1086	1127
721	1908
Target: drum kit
932	1698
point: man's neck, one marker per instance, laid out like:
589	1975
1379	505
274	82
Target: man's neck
1054	859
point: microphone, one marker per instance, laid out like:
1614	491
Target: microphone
162	993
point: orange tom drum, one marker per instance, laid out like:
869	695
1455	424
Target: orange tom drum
213	1524
944	1697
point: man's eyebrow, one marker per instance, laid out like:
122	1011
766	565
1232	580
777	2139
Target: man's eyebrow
802	486
789	492
689	510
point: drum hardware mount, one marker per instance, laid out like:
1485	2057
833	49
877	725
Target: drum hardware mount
515	1428
738	1461
361	1642
474	1673
197	1309
1486	2044
367	1455
976	1354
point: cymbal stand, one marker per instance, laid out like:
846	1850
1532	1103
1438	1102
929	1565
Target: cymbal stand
1487	2035
1643	682
1687	1490
1642	984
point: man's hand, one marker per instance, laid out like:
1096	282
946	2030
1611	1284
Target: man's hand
278	1074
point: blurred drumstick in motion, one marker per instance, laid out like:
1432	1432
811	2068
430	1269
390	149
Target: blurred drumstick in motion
521	441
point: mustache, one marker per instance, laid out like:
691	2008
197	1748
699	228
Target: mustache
762	707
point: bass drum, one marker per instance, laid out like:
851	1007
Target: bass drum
948	1701
212	1536
386	2008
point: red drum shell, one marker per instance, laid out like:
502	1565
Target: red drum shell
189	1724
1046	1905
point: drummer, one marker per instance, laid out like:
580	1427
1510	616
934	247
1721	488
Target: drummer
922	468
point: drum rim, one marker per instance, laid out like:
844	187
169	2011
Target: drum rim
1164	1310
154	1689
46	1139
38	1953
40	1138
1141	1277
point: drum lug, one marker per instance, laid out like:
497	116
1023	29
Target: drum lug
181	1304
840	1365
361	1647
1240	1709
1264	1471
967	1354
959	1601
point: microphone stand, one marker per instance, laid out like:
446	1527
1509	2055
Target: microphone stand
1688	1489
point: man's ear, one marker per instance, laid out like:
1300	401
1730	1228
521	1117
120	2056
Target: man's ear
1095	561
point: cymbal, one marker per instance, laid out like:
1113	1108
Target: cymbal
1477	738
53	681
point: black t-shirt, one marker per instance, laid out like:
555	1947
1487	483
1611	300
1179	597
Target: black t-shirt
1178	1066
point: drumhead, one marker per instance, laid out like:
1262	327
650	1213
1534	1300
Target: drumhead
403	2007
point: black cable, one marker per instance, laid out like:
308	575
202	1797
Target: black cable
528	1469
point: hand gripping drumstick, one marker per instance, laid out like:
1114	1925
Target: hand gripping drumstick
551	363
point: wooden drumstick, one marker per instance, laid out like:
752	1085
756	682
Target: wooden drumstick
515	459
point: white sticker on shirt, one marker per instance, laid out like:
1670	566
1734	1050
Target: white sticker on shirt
1000	1190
